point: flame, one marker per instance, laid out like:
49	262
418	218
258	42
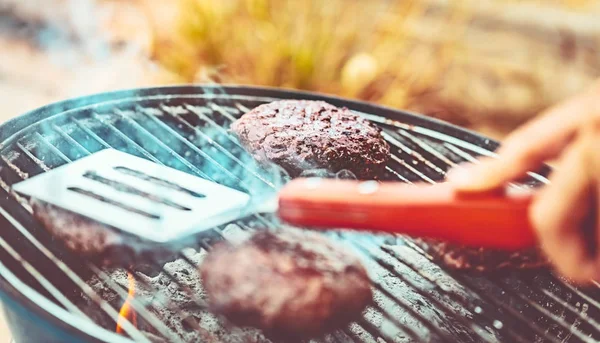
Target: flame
127	313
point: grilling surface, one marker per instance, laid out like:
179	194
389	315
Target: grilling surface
187	128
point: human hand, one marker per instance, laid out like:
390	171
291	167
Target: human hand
564	212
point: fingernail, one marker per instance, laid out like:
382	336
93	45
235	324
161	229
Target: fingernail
519	192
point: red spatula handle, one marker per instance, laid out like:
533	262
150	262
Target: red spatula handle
495	220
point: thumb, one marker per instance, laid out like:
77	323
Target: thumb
487	174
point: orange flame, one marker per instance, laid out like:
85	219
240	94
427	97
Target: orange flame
127	313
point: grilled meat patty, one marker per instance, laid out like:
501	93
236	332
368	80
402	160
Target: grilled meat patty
98	242
289	283
481	259
300	135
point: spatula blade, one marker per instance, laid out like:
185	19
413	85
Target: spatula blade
143	198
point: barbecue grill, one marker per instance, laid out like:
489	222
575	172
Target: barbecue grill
44	286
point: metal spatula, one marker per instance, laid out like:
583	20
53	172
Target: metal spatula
162	204
152	201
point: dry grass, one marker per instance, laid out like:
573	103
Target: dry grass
353	48
472	62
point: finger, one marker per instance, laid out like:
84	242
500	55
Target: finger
528	147
547	134
593	133
559	215
595	219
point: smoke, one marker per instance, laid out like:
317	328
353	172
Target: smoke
77	40
61	25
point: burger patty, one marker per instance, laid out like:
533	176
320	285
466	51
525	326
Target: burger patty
289	283
481	259
100	243
300	135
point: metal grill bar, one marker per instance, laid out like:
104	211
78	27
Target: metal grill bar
461	153
430	134
214	125
584	296
536	288
241	107
418	157
219	147
373	330
356	331
70	140
220	109
52	147
397	324
193	147
127	140
86	289
572	309
398	301
558	320
136	304
14	168
48	286
453	296
170	151
374	253
395	173
427	148
36	160
412	169
465	282
90	133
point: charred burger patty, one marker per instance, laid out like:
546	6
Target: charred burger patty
99	242
299	135
289	283
481	259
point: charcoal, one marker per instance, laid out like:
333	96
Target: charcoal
170	303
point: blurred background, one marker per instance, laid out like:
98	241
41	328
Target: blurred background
488	65
485	64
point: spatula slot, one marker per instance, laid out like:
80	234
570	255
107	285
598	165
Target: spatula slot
114	203
122	187
158	181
